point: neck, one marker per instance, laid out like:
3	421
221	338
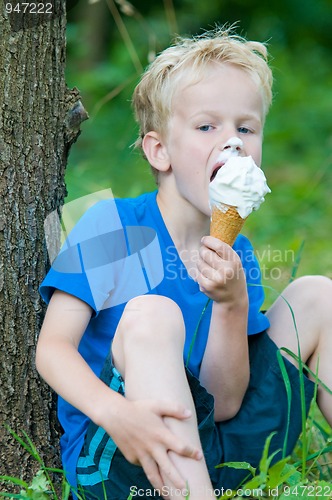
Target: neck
186	224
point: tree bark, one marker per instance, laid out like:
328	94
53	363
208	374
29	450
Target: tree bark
39	120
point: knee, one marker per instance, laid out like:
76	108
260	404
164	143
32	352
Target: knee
313	288
314	293
151	317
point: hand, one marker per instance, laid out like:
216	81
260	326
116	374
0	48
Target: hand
144	439
220	272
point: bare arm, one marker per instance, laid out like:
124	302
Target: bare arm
225	366
58	360
137	427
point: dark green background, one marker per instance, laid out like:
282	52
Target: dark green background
298	136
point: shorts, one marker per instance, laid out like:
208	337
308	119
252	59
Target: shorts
102	467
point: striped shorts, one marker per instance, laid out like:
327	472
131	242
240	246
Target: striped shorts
103	472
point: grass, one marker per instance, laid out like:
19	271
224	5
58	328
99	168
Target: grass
288	478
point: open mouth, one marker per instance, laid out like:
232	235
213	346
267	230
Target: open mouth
215	171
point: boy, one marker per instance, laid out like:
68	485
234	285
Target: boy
179	352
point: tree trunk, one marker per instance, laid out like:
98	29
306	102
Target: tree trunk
39	120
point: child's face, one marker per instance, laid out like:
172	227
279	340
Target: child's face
225	103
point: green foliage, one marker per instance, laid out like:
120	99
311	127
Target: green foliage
298	135
281	480
278	481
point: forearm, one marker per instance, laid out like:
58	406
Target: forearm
225	366
61	365
63	368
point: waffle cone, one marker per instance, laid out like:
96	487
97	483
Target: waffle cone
226	225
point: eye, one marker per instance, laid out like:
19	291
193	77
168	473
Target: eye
205	128
244	130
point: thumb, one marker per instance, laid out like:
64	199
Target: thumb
175	410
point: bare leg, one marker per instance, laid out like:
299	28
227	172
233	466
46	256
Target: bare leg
310	298
148	351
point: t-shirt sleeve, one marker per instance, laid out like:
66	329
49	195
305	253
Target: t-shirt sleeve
75	284
83	267
107	258
257	321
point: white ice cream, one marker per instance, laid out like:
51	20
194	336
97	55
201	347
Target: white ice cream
239	183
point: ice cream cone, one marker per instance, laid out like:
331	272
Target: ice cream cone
226	223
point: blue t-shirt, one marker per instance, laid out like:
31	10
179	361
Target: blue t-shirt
120	249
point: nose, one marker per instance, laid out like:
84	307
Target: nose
234	144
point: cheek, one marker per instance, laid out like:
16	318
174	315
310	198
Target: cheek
256	153
198	159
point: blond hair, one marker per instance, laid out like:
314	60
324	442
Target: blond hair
187	58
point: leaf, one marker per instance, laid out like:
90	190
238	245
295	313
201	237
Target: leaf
297	262
307	491
40	482
313	374
288	388
65	490
33	449
266	459
324	489
38	495
255	483
279	473
14	480
295	475
25	445
228	494
238	465
10	495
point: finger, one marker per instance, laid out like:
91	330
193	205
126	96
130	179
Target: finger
209	262
170	409
173	443
218	268
207	256
218	246
202	267
169	472
205	284
152	473
207	272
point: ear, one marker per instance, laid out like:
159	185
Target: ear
155	151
